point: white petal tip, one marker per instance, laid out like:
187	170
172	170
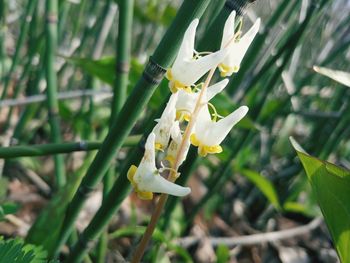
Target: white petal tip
257	23
184	191
194	23
243	110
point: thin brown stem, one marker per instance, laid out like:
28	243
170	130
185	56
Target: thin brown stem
150	228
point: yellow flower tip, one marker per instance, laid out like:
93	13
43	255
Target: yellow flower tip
182	115
203	150
145	195
131	173
158	146
175	85
173	89
179	115
194	140
226	71
187	117
170	159
168	74
187	89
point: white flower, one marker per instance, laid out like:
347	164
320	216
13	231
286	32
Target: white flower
166	121
146	179
238	48
209	134
187	69
176	139
187	100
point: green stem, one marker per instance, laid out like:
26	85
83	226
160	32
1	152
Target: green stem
51	80
3	11
123	55
138	99
20	42
57	148
119	92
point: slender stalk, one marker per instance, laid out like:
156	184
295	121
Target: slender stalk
33	46
119	92
57	148
51	78
3	11
152	75
20	42
123	55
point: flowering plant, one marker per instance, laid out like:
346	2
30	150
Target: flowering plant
187	119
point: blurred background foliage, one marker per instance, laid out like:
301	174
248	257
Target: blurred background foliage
256	185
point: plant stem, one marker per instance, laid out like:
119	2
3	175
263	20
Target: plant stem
51	78
152	75
20	42
57	148
123	55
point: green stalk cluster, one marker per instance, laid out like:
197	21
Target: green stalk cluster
51	80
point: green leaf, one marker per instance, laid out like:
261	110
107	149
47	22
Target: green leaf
15	250
10	207
299	208
331	185
222	254
337	75
264	185
103	69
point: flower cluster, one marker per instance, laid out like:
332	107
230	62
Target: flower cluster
186	118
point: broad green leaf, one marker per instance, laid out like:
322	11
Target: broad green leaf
331	185
264	185
337	75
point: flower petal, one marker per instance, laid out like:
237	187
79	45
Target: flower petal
239	49
191	71
221	128
149	155
159	184
229	30
187	46
216	88
166	121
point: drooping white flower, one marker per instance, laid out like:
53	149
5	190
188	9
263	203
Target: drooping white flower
187	100
238	48
187	69
164	124
146	179
208	134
